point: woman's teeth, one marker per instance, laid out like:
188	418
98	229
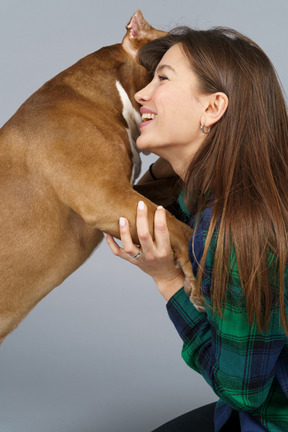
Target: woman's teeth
148	116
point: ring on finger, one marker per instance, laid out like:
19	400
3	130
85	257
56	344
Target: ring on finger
137	255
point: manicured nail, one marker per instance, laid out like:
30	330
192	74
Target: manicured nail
122	222
159	207
141	205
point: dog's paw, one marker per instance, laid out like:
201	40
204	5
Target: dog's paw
188	287
198	301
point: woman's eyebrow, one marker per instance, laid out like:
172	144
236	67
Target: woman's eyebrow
160	68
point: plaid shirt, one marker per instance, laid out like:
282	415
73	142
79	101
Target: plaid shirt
246	368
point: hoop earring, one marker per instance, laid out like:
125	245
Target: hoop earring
203	130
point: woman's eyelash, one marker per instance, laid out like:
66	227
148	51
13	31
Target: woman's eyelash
162	77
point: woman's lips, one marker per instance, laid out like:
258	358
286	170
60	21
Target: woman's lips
147	116
145	123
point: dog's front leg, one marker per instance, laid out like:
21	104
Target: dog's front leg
164	191
98	189
123	202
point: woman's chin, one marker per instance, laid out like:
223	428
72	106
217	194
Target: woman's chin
146	148
141	146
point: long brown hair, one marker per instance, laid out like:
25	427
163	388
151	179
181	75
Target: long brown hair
242	164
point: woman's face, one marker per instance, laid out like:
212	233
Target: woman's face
171	109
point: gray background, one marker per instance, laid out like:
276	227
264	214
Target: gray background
99	353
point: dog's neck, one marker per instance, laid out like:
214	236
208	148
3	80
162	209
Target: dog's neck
133	120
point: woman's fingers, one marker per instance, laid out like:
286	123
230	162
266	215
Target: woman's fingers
128	246
160	247
152	250
162	237
142	224
155	257
115	248
129	251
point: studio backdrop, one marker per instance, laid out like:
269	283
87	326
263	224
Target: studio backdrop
99	353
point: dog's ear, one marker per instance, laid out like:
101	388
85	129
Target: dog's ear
138	33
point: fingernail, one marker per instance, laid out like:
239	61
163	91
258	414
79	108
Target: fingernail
105	234
141	205
122	222
159	207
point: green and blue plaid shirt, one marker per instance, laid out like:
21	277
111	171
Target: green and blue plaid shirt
246	368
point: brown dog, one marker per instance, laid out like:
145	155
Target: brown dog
67	158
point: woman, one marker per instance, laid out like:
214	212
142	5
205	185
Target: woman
215	112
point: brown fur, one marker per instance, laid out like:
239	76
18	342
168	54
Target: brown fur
65	167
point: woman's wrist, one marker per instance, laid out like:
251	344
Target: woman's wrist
168	288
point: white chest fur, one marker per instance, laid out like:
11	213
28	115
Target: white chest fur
133	119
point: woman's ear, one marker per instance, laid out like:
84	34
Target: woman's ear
215	106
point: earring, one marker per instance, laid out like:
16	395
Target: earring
203	130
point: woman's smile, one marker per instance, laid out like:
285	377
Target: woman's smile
147	116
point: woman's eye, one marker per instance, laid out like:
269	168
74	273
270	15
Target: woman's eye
162	78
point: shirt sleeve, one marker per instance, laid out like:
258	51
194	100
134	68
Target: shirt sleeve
236	359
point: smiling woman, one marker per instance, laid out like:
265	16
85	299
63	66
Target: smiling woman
174	100
217	115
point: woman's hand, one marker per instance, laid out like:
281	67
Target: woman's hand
155	257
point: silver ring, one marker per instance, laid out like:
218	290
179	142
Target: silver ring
137	255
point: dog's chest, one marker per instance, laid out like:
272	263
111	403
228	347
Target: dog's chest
133	120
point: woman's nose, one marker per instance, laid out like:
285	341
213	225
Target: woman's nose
143	95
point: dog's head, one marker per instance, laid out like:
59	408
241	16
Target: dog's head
132	75
139	32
